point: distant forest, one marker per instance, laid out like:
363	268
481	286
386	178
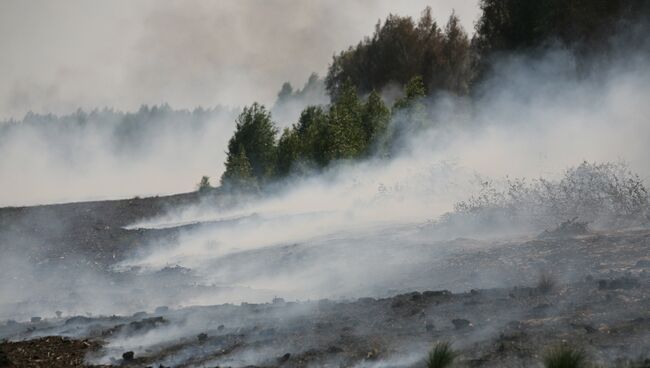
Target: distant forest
126	132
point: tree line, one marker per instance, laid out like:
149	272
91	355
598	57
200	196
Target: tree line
422	58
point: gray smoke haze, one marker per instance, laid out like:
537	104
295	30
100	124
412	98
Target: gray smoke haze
58	57
534	120
107	155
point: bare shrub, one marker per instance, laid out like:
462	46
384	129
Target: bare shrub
605	194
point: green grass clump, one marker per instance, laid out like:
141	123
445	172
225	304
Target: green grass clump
565	357
441	356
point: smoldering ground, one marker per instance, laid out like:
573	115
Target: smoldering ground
552	124
363	228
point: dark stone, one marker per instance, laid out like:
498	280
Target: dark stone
221	328
625	283
437	293
146	323
77	319
334	350
460	323
284	358
35	319
202	337
4	360
128	356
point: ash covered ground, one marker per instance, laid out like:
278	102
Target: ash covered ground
500	301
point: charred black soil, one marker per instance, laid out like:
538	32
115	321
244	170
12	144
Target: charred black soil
590	290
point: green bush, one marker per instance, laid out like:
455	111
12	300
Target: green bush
441	356
565	357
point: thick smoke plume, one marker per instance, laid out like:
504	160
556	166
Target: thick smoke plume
527	125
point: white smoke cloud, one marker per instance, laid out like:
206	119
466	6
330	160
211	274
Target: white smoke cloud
355	227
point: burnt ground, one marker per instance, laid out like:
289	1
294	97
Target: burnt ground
90	231
596	296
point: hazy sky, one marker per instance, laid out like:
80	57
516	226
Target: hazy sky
60	55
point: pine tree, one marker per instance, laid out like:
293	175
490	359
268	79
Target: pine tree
204	184
345	133
255	134
239	173
375	118
289	152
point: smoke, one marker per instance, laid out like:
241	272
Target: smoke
354	229
357	229
123	54
108	154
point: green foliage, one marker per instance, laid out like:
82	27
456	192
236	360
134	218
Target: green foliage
441	356
413	93
409	113
312	131
513	25
400	49
289	151
239	173
427	59
375	118
204	184
254	139
565	357
345	131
